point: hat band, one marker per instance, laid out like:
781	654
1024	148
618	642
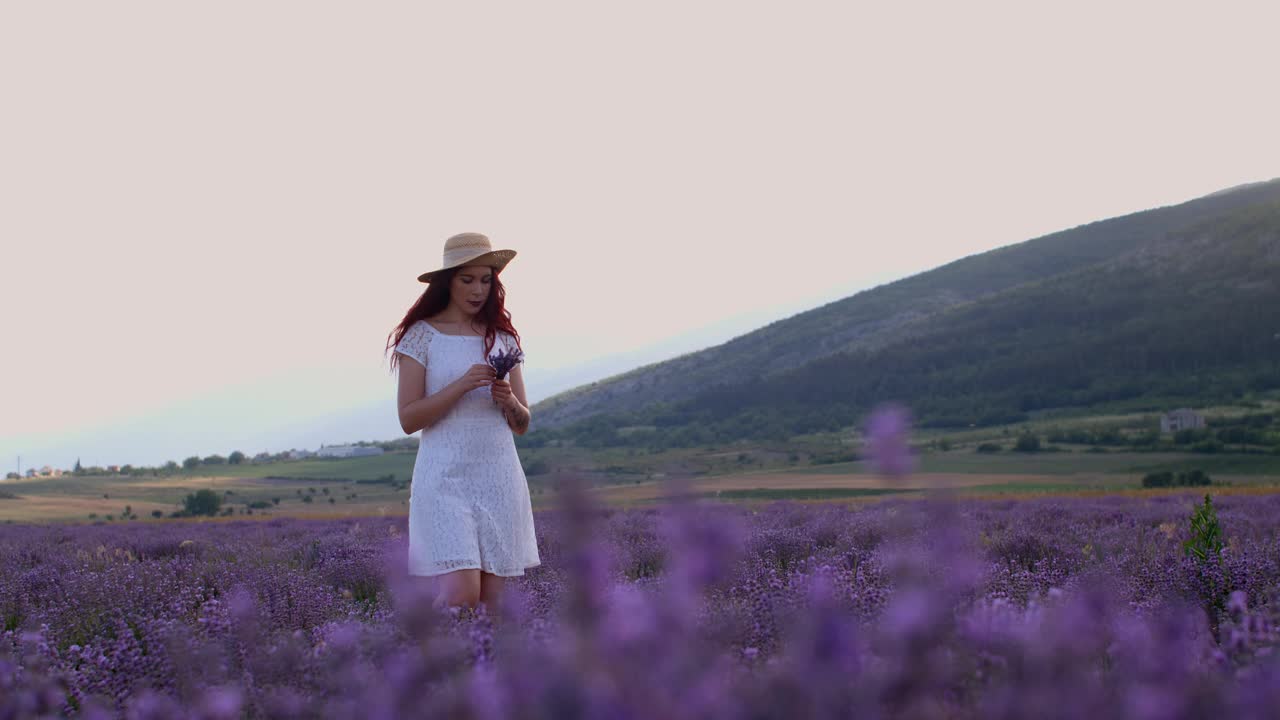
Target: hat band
455	257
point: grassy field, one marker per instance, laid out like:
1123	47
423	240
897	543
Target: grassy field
76	498
378	485
1074	463
399	464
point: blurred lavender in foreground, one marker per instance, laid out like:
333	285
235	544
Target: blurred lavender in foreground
502	361
904	608
888	435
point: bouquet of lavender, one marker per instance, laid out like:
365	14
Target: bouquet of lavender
504	361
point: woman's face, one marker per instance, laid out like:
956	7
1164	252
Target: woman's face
470	288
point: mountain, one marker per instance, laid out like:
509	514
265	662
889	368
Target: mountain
1174	302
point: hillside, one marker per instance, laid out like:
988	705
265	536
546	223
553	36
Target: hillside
1165	304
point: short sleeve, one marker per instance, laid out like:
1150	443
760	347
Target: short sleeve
415	342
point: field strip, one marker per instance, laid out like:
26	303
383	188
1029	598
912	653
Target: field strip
784	481
991	486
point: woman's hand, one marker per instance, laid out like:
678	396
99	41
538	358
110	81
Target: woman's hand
502	394
513	410
477	376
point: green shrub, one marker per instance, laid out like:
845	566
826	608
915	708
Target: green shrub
1149	438
1193	478
1205	543
202	502
1160	479
1189	436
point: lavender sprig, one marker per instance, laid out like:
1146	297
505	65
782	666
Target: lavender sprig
504	361
888	432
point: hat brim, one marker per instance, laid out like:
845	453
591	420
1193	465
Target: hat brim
496	259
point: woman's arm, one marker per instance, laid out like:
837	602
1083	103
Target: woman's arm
418	412
510	395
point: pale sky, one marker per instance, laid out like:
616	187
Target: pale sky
212	214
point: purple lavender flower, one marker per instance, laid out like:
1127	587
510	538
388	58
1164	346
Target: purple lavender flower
503	361
887	432
907	608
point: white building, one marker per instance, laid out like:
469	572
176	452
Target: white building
1181	419
347	451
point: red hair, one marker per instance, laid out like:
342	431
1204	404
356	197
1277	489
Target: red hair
435	299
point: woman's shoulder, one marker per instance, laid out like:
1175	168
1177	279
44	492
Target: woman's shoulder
419	329
416	341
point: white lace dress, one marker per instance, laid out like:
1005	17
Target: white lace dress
469	501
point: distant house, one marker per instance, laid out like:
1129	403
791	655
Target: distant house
347	451
46	471
113	468
262	457
1181	419
298	454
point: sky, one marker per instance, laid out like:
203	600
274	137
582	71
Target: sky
212	215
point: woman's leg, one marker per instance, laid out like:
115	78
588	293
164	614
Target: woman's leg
491	592
460	587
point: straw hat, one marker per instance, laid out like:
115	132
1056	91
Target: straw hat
469	249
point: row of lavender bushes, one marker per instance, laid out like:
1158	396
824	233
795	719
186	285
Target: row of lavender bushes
1120	607
922	608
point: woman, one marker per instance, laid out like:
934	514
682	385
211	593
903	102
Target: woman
470	518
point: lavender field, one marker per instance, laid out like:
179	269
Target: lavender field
929	608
